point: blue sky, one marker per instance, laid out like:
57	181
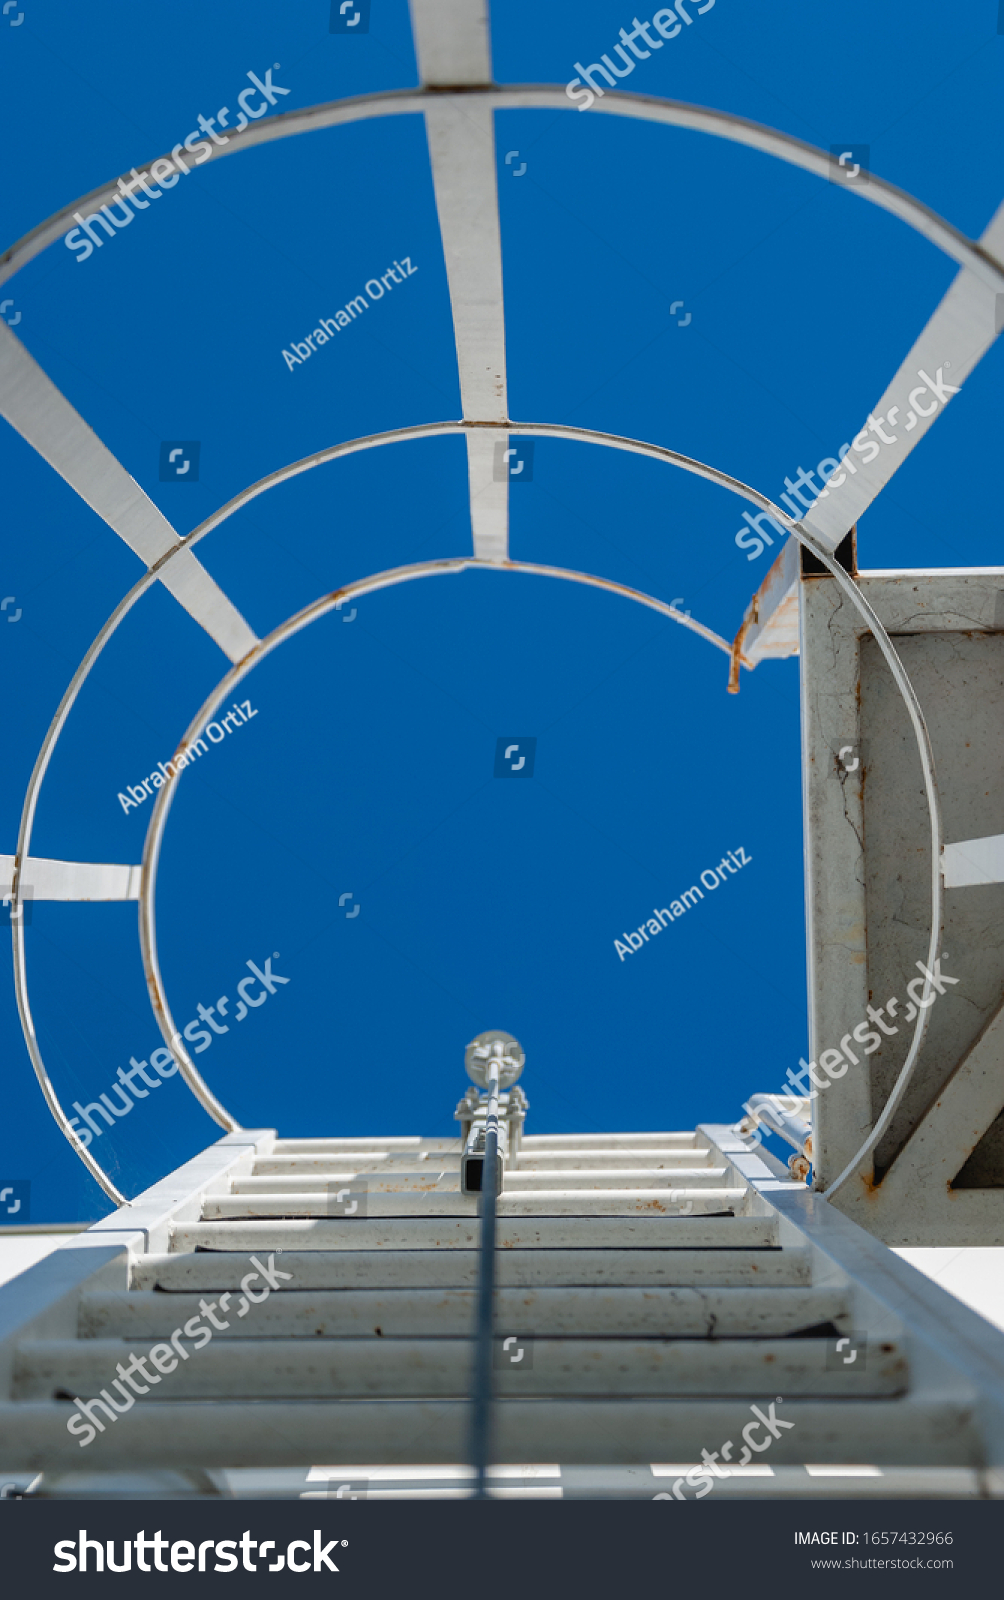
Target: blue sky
368	768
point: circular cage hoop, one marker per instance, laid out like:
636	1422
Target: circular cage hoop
323	607
974	257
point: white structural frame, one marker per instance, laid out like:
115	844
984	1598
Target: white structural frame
458	104
915	1202
952	1413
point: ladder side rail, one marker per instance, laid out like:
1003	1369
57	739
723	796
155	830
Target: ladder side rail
954	1353
42	1302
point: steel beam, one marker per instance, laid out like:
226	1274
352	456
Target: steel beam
867	859
916	1199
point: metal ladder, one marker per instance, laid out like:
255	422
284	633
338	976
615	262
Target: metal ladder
661	1298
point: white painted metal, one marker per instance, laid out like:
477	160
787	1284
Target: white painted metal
669	113
759	1266
161	1010
328	1167
180	1197
385	1180
954	1352
916	1196
431	1202
770	627
453	48
377	1474
850	590
189	582
519	1180
818	1482
34	406
369	585
435	1202
863	941
489	494
452	42
936	1432
70	880
462	151
638	1355
956	338
374	1148
43	416
457	1233
621	1310
973	861
43	1302
834	1482
619	1158
189	1071
346	1368
158	817
580	1143
786	1114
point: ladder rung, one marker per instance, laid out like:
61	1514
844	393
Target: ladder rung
439	1203
420	1312
219	1269
463	1233
325	1369
284	1433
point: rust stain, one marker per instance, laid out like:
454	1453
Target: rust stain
737	656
